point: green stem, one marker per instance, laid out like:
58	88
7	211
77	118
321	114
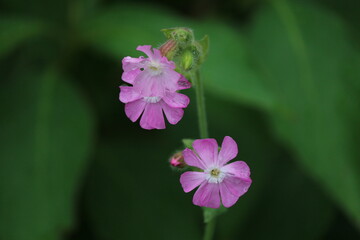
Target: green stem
210	229
200	101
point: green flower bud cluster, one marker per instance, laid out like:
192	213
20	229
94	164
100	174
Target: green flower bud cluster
184	50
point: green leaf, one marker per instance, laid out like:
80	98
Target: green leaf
285	215
204	43
303	51
226	74
122	195
46	136
109	30
15	31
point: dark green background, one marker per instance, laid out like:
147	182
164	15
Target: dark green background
282	78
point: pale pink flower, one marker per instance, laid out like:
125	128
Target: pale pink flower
152	107
152	76
218	181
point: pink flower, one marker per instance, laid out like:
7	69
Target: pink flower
152	107
218	181
152	76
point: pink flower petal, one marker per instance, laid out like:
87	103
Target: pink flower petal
127	94
130	76
134	109
207	149
192	160
231	189
148	85
190	180
237	169
169	64
169	79
176	100
229	150
173	115
146	49
207	195
153	117
130	63
157	54
131	68
183	83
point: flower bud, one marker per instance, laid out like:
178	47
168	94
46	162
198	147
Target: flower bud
169	49
182	48
177	160
183	36
187	60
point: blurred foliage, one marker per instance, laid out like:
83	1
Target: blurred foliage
282	78
46	136
314	46
14	31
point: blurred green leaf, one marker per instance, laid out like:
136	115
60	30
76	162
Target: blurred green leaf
117	32
39	9
226	72
295	208
15	31
130	187
204	43
349	10
46	135
302	51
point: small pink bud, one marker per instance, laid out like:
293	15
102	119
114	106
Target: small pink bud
168	49
177	160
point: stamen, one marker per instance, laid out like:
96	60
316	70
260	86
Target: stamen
215	172
154	68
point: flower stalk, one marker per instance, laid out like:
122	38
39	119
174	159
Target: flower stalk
210	229
200	102
204	133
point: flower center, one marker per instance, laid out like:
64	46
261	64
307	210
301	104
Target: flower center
152	99
215	172
215	175
155	68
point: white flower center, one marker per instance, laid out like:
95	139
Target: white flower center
215	175
152	99
155	67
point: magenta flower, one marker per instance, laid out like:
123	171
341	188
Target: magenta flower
152	107
218	181
152	76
